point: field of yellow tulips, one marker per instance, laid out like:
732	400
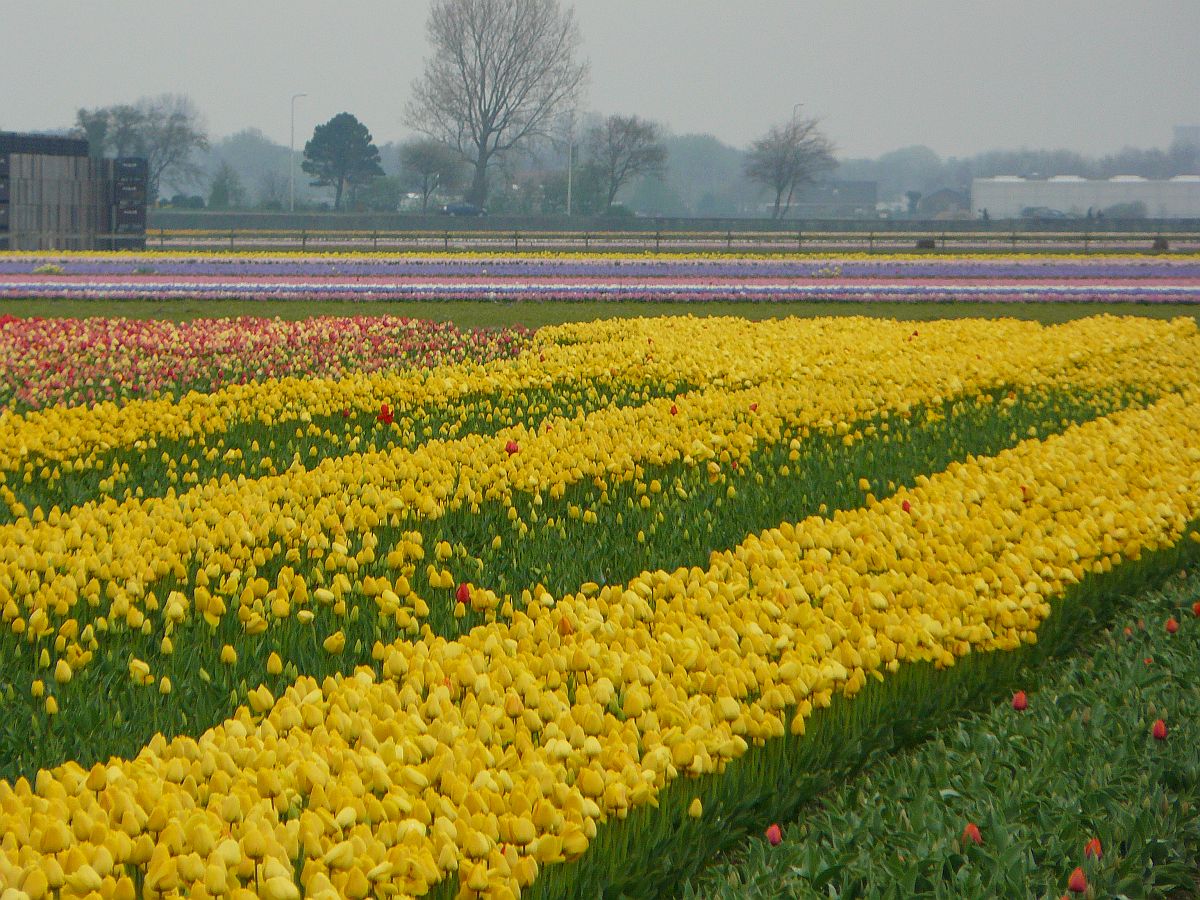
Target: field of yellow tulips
559	621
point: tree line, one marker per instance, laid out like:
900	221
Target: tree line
505	76
502	87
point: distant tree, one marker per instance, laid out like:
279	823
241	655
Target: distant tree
125	123
500	73
226	190
93	125
623	147
1134	210
167	130
914	198
186	201
430	165
587	192
272	190
377	195
787	156
170	131
341	153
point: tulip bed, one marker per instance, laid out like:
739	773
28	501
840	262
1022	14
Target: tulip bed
651	278
565	619
46	361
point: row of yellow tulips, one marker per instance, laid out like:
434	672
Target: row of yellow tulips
68	577
500	753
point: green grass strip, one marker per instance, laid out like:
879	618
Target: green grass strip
1080	762
532	314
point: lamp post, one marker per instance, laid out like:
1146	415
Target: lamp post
792	187
570	169
570	157
292	157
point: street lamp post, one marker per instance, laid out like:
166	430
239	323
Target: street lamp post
570	157
292	157
791	188
570	169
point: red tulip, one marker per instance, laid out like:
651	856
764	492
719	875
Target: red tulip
674	410
971	833
346	413
1128	631
511	447
1172	625
774	835
1019	701
906	506
1148	660
385	414
753	407
1159	730
1077	883
463	594
1092	849
1196	608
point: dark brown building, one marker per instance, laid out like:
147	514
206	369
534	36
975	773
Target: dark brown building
53	196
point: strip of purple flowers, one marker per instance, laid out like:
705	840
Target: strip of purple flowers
1119	293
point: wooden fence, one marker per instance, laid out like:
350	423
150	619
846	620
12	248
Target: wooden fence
530	241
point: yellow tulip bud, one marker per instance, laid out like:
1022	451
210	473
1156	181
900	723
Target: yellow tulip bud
274	664
228	655
62	672
339	856
696	810
254	843
335	643
280	888
84	879
477	878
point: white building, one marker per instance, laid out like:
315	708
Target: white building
1009	196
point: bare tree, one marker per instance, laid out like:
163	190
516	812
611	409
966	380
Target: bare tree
166	130
500	71
272	190
622	147
787	156
171	129
429	166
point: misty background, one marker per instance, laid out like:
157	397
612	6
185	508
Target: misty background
919	97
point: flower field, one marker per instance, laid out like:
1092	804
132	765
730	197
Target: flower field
1096	278
374	608
44	361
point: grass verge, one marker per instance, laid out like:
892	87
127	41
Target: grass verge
484	313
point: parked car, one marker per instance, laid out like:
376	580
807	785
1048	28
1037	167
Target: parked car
464	209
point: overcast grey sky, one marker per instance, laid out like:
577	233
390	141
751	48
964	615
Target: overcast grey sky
958	75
